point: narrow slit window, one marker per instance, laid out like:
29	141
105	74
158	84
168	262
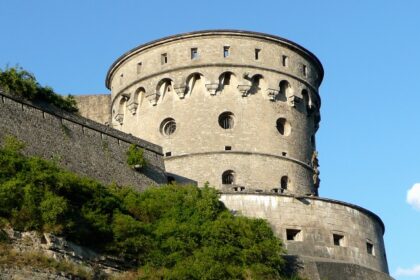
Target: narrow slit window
139	66
285	60
370	249
164	58
304	70
257	54
194	53
226	51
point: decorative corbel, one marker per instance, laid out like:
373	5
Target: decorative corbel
272	93
181	91
244	89
292	100
153	98
212	88
132	107
119	118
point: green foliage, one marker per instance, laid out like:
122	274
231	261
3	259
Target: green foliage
135	156
19	82
171	232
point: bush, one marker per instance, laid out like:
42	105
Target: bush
21	83
174	232
135	157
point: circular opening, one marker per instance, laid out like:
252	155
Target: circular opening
226	120
168	126
228	177
283	126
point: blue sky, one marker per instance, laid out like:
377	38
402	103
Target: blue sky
368	141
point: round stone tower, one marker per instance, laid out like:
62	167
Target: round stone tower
240	110
236	109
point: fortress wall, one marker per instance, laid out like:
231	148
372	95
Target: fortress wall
318	220
78	144
96	107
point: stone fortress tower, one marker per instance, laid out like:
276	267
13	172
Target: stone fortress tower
240	110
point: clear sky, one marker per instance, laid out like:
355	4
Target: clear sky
368	141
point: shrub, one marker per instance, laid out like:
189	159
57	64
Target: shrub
21	83
135	157
175	232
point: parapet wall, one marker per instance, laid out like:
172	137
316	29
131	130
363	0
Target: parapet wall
317	228
79	144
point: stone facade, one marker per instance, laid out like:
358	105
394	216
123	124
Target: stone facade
267	84
240	110
79	144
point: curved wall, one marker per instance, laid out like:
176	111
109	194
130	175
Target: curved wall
318	221
195	77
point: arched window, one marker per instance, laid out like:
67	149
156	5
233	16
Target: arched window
228	177
283	126
305	97
284	88
284	181
226	120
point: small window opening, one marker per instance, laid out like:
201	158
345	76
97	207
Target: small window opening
228	177
164	58
194	53
121	79
283	126
226	120
275	190
284	154
338	240
313	141
228	148
168	154
226	52
370	249
257	54
170	179
304	70
294	234
239	189
284	181
226	79
285	60
139	66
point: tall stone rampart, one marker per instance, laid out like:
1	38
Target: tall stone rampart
79	144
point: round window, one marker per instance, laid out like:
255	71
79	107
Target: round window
226	120
283	126
168	127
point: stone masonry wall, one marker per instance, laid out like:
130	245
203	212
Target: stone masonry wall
78	144
315	222
96	107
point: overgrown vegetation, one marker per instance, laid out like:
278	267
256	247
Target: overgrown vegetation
172	232
36	260
21	83
135	157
